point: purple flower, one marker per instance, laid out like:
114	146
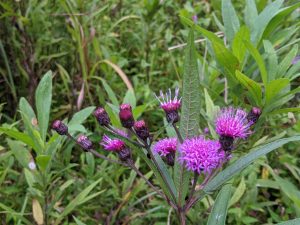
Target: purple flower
112	144
165	146
141	129
201	155
195	18
233	123
169	105
121	133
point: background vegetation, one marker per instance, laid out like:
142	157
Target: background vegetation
109	52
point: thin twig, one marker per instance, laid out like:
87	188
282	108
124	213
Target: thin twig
219	34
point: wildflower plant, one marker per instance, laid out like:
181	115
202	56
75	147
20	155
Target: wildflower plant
189	166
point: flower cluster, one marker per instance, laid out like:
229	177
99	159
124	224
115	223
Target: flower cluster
199	154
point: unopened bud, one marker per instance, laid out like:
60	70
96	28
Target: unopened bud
60	127
124	154
170	158
126	116
141	129
102	116
253	115
84	142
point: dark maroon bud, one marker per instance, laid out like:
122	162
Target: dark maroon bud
60	127
170	158
141	129
102	116
172	116
254	115
124	154
84	142
126	116
226	143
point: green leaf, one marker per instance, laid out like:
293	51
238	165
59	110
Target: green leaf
81	116
250	14
42	161
237	166
290	222
272	59
274	87
78	222
259	60
263	20
286	62
279	17
240	190
252	86
110	92
286	110
25	138
130	98
30	179
20	152
227	61
219	211
238	46
190	113
230	19
81	198
43	96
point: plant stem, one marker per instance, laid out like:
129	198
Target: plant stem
196	175
182	217
150	184
98	155
147	147
177	133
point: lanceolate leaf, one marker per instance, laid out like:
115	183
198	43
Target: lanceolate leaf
290	222
190	113
230	19
219	211
43	96
236	167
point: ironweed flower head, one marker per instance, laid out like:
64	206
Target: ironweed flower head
118	146
126	116
84	142
165	146
233	123
169	105
112	144
60	127
254	115
141	129
201	155
102	116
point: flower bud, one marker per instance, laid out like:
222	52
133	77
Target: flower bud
60	127
126	116
226	143
84	142
253	115
124	154
102	116
141	129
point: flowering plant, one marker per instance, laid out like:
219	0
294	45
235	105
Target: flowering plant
200	161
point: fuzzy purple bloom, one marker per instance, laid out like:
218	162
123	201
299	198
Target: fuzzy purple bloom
165	146
201	155
233	123
195	18
112	144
